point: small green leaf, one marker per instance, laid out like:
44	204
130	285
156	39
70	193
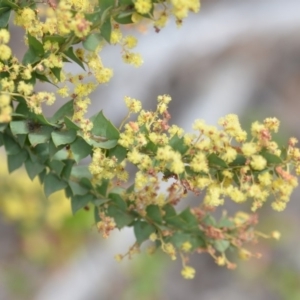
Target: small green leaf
119	152
19	127
104	128
177	144
169	211
221	245
15	161
30	57
57	166
102	189
106	30
239	161
216	161
154	213
81	171
41	136
142	231
56	72
67	110
11	146
63	137
271	159
92	41
78	202
117	199
80	149
70	53
43	78
121	218
190	219
70	124
21	138
52	184
54	39
3	126
124	17
35	45
96	215
53	149
77	189
69	163
4	17
33	168
9	3
103	145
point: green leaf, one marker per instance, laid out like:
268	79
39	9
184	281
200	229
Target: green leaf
178	238
142	231
124	17
190	219
93	17
43	78
54	39
66	173
57	166
11	146
53	149
271	159
67	110
169	211
42	150
41	136
104	145
78	202
19	127
81	171
102	189
224	222
239	161
118	200
70	53
96	215
216	161
85	182
52	184
30	57
209	220
9	3
104	128
104	4
221	245
4	16
70	124
56	72
42	176
41	119
106	30
15	161
119	152
92	41
80	149
121	218
154	213
77	189
177	144
21	138
63	137
35	45
33	168
3	126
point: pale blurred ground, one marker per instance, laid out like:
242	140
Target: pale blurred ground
234	57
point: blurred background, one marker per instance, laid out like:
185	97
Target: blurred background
234	57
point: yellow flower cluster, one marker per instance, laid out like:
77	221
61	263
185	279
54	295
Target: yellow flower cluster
205	161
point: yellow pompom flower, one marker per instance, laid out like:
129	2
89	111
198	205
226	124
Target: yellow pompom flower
143	6
188	272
